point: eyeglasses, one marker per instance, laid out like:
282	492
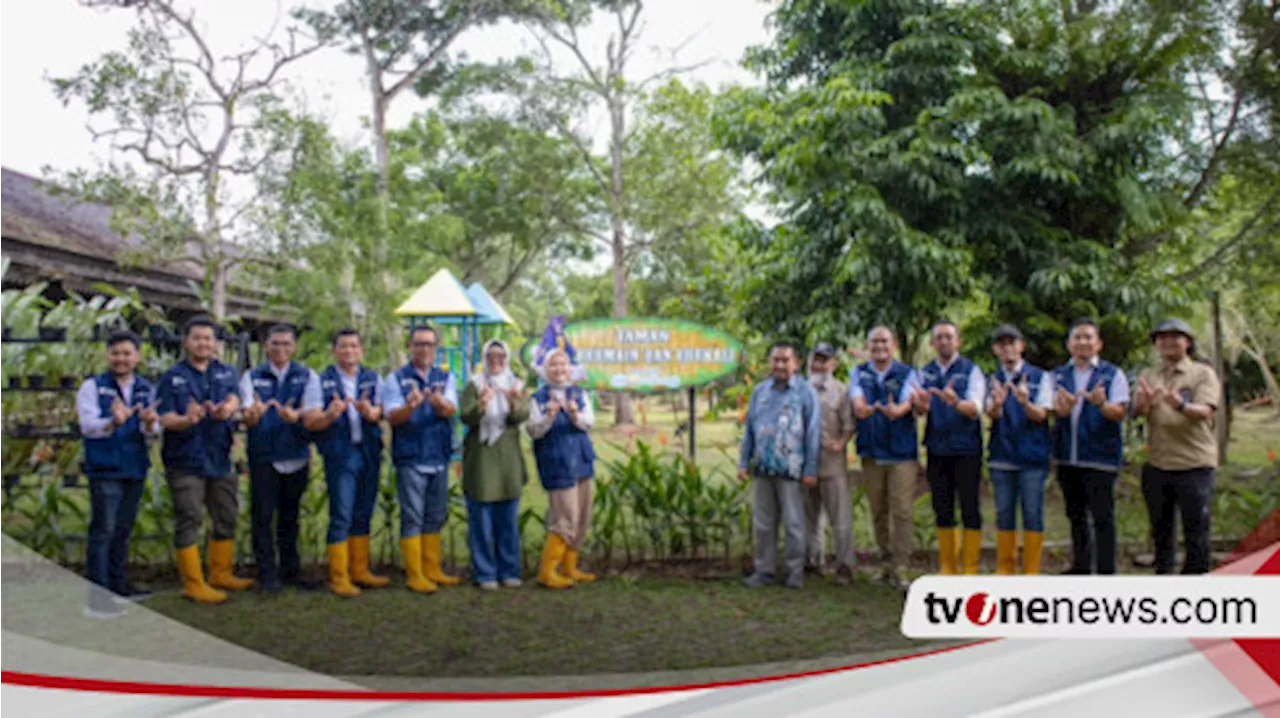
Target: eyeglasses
427	345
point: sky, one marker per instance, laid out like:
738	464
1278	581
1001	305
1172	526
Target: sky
52	38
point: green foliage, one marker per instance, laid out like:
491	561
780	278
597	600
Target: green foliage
666	508
923	152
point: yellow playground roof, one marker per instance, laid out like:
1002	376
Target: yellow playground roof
441	296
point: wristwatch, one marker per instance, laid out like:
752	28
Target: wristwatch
1183	406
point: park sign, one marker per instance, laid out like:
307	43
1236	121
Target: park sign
644	355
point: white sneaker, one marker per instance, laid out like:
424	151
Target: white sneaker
488	585
512	582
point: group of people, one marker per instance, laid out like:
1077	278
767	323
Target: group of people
286	407
797	434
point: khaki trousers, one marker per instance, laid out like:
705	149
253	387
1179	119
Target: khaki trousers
891	494
569	513
830	496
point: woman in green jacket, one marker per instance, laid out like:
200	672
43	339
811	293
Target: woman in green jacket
493	470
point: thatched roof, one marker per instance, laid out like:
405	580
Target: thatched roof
58	239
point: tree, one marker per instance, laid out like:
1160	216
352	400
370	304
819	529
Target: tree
202	128
567	99
405	45
495	195
926	155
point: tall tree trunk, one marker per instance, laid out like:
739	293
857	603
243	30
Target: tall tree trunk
1222	419
380	255
623	413
218	299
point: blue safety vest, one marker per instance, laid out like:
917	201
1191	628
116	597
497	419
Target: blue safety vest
1098	440
878	437
123	454
564	455
426	439
1015	439
205	448
947	432
272	439
335	442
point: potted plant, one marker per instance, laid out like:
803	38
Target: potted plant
70	383
35	382
53	334
15	382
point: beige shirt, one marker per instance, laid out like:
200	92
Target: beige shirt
1179	442
837	421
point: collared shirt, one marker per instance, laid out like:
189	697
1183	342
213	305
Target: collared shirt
764	412
976	389
247	399
1179	442
1044	395
1118	393
911	384
1042	399
92	424
313	399
837	423
393	398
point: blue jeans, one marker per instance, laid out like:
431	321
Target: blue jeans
353	493
1025	486
424	500
367	478
113	508
493	532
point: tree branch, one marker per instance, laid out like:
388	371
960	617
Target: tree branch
1226	248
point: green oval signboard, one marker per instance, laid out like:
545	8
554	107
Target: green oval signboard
646	355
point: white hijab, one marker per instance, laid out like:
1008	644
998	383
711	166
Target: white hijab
494	421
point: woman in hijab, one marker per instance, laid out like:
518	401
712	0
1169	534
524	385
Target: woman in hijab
493	470
560	417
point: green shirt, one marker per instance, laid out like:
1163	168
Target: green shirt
497	472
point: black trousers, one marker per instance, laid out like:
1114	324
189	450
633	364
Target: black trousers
272	493
951	477
1169	493
1090	494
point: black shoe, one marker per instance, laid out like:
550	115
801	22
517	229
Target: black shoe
1073	571
304	584
129	593
270	586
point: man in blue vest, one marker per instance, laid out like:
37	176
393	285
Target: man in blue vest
117	416
343	410
888	446
420	401
952	392
199	398
1091	401
780	447
1018	453
279	457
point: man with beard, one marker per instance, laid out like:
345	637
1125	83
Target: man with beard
831	495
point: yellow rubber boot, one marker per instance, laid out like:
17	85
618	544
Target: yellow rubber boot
339	571
431	562
358	547
193	585
947	552
1006	553
411	550
972	550
569	568
552	554
1032	547
221	554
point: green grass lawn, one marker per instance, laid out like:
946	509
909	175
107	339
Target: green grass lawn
620	625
